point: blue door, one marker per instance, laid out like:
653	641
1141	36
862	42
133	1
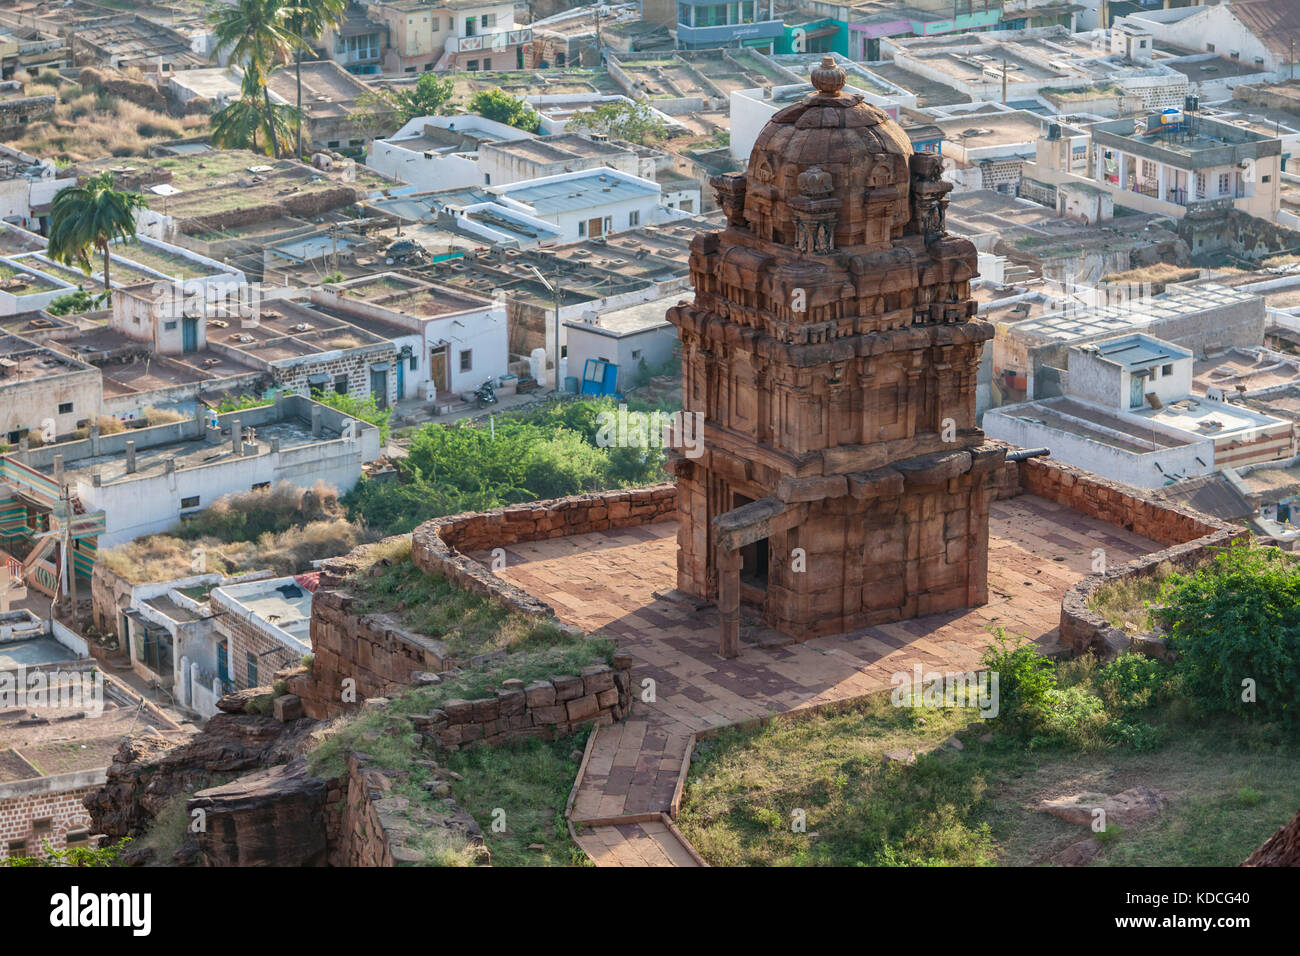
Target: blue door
401	378
190	334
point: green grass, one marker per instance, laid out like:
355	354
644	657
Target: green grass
1125	602
529	780
1231	785
431	605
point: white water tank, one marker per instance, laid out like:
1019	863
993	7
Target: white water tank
537	365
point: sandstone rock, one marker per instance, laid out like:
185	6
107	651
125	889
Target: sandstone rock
900	756
1078	854
286	708
1135	805
954	742
1281	849
274	817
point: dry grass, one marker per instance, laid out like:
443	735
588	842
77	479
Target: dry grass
162	416
108	425
1161	274
91	123
1126	602
282	529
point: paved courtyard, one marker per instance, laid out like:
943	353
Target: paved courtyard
613	581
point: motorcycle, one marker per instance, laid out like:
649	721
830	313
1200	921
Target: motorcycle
486	394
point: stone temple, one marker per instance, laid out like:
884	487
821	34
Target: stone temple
832	350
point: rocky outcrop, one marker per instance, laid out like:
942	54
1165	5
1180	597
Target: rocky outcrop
150	769
1135	805
274	817
1281	849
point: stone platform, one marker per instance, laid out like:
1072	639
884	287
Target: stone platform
621	582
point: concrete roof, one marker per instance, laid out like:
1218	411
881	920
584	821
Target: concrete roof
596	187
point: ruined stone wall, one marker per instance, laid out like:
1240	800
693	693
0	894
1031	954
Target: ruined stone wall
545	709
1192	538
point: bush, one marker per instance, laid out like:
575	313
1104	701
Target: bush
1132	682
1234	621
1026	681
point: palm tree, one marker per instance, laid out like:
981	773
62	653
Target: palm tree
257	35
241	123
309	19
90	216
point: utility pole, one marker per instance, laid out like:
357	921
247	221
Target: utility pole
70	565
1004	81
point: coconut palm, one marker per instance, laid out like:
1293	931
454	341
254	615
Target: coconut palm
244	123
89	217
309	20
257	36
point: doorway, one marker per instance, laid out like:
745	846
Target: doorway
438	368
379	385
754	561
595	228
189	334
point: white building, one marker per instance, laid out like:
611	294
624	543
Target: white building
636	338
438	152
752	108
1264	34
1129	414
592	203
447	342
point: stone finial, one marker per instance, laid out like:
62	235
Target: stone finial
815	182
829	77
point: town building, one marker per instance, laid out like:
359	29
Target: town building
703	25
44	394
438	152
57	745
132	41
145	480
261	626
1177	161
470	35
330	96
590	203
27	188
1263	34
1128	413
533	157
636	339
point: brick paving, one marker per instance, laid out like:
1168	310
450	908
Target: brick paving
612	582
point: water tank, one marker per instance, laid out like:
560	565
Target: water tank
537	364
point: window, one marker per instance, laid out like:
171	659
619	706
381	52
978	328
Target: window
1200	185
487	179
251	660
341	385
1265	179
488	19
17	847
1225	183
413	363
1234	55
1148	169
262	486
65	408
582	228
609	224
487	63
634	219
1167	370
169	326
472	66
43	825
466	360
191	502
1259	61
410	69
333	144
1209	47
356	142
77	837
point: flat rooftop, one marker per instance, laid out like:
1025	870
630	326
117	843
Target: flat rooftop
281	604
23	362
633	318
1087	321
596	187
1252	369
559	148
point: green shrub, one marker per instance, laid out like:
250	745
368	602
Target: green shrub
1235	623
1133	682
1026	680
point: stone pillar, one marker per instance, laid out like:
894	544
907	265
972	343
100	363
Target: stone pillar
185	682
130	457
237	437
315	421
729	602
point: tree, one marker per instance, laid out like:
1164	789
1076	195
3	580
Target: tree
90	216
310	19
620	119
245	123
383	110
496	104
258	36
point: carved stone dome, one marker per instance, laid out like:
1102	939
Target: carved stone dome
829	148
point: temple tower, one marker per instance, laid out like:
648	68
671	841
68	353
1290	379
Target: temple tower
832	350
